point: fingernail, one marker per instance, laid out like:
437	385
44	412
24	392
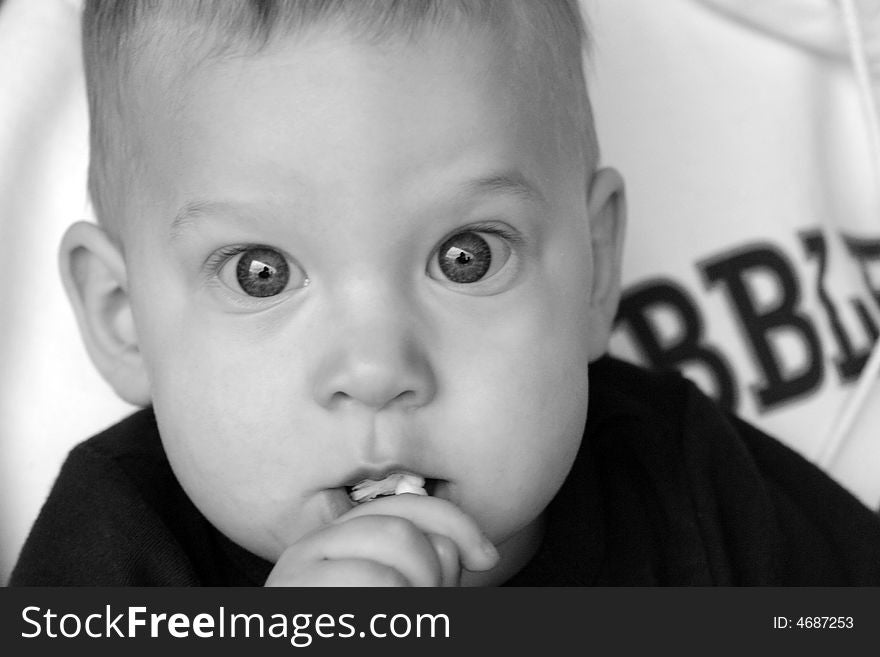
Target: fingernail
490	550
487	557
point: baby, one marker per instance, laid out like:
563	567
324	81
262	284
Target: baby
355	260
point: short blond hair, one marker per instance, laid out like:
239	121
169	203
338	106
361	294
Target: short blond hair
117	34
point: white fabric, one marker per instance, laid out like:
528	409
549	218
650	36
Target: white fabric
811	24
740	130
50	395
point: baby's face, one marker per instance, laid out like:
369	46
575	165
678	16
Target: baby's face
348	260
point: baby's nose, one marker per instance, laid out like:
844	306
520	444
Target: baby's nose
375	359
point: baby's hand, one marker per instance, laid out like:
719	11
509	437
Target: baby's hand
404	540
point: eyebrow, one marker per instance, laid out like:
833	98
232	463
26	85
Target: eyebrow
509	183
196	209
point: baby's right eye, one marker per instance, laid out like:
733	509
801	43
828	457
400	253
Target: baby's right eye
259	271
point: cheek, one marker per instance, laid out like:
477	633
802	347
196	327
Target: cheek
220	368
242	447
230	401
521	442
519	410
222	407
226	399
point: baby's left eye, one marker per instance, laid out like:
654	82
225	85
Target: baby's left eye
261	271
469	257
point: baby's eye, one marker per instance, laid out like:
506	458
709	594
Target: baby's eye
261	271
469	257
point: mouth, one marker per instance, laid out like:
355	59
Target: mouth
394	483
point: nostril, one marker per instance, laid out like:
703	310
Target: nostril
338	398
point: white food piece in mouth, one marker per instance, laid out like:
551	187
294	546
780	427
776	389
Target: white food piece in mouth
396	483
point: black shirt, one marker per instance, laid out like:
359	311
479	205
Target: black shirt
666	489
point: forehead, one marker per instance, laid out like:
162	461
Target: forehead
326	111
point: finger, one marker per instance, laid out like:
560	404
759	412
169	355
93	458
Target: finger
389	540
447	555
434	515
340	572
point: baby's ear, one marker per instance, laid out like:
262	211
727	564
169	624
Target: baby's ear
607	211
95	277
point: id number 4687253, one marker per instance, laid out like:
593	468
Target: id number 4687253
813	623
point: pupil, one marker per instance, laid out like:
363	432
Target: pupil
465	258
262	272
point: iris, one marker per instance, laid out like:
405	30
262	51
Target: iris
262	272
465	258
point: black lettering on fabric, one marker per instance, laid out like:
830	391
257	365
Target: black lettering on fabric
865	251
760	324
687	347
850	362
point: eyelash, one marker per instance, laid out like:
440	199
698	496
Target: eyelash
216	260
241	302
511	236
498	282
